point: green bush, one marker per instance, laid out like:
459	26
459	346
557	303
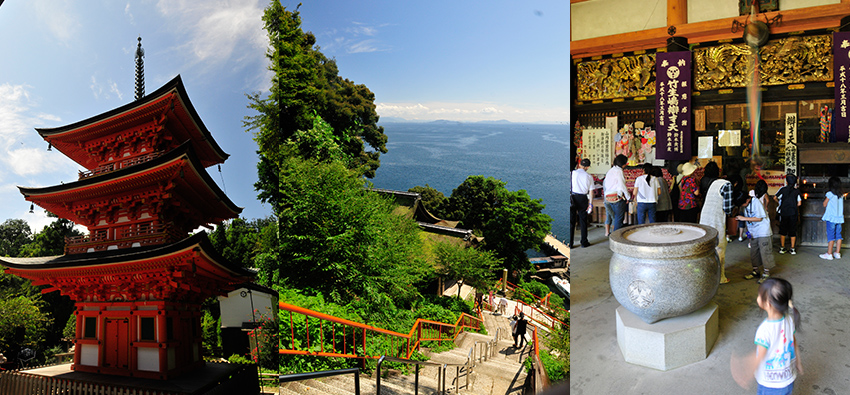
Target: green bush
240	359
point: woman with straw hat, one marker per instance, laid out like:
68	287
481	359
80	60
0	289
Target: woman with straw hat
688	193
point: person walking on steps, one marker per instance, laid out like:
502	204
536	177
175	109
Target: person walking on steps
519	330
581	199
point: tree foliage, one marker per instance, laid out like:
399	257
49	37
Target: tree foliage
474	267
433	200
342	240
14	234
306	91
511	222
51	240
22	324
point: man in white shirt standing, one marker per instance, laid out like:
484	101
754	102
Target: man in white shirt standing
616	195
581	199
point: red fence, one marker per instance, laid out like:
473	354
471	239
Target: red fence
325	335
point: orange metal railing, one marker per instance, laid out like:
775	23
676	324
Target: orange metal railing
542	301
536	315
337	337
540	378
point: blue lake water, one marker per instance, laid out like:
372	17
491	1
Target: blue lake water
442	154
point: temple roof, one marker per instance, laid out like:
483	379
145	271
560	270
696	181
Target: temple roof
180	169
193	258
167	109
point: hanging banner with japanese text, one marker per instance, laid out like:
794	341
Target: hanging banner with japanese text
791	143
598	146
841	72
673	105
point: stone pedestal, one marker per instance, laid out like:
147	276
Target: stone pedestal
669	343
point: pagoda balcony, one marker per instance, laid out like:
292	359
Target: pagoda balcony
110	167
128	237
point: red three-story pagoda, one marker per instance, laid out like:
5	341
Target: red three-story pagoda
137	278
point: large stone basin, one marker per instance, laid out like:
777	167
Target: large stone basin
664	270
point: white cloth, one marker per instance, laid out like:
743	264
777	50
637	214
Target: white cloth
779	368
582	183
647	193
712	215
756	210
615	182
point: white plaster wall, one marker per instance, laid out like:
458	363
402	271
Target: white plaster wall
599	18
794	4
235	309
148	359
89	354
709	10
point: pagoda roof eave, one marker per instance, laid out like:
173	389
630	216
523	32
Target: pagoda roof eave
175	84
199	241
184	149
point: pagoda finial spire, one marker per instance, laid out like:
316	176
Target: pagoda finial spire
140	71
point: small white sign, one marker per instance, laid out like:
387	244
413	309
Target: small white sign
729	138
706	147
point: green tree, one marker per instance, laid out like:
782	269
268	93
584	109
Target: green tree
14	234
21	316
469	265
511	222
306	87
51	240
342	240
433	200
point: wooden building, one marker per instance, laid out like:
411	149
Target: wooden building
619	50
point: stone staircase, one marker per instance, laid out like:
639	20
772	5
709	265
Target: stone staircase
501	374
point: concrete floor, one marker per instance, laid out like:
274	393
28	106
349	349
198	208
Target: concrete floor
821	294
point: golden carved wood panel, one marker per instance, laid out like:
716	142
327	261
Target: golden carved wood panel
790	60
621	77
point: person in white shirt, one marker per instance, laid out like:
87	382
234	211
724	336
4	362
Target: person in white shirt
646	190
581	199
616	195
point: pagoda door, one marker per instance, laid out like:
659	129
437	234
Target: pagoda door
116	343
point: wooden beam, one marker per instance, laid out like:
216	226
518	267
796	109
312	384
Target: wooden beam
677	12
811	18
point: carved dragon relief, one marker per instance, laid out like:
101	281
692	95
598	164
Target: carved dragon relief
790	60
627	76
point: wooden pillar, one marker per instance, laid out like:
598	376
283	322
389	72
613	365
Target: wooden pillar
677	12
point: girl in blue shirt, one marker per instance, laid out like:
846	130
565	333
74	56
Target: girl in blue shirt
833	215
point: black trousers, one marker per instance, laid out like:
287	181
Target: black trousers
578	214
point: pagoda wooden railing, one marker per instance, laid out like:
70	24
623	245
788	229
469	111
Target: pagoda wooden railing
126	237
318	334
117	165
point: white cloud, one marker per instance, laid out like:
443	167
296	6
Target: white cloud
360	38
218	31
21	150
129	14
105	90
469	112
58	18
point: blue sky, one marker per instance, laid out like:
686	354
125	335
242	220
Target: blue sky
456	60
63	61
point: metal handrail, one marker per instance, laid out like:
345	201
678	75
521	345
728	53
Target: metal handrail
441	371
400	344
285	378
541	378
553	320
